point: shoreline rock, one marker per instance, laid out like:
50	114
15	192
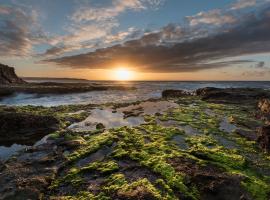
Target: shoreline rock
174	93
232	95
8	75
25	128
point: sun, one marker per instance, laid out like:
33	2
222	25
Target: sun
123	74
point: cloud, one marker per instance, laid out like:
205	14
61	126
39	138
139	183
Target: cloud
240	4
155	52
19	31
260	65
88	13
213	17
258	70
91	24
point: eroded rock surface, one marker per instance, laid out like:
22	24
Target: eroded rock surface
25	128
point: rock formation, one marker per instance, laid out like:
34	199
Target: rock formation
8	75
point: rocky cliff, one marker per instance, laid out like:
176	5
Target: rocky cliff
8	75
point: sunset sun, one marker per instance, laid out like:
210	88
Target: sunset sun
123	74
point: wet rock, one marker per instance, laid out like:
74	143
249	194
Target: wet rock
263	137
29	176
211	181
249	134
72	143
25	128
134	171
174	93
100	126
231	95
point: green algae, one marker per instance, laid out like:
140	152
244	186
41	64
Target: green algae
130	143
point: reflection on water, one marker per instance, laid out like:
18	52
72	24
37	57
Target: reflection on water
107	118
179	140
226	126
150	108
116	118
7	152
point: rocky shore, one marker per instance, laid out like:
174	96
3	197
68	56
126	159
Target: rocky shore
51	88
11	84
209	144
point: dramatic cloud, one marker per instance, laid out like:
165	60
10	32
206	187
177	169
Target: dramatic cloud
19	31
94	24
156	52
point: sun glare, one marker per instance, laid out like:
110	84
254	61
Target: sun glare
123	74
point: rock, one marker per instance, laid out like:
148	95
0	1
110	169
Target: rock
45	89
174	93
231	95
100	126
204	91
29	176
264	105
72	143
263	137
212	182
25	128
8	75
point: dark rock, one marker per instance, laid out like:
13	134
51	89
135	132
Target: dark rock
25	128
29	176
263	137
44	89
204	91
231	95
8	75
248	134
212	182
100	126
69	144
174	93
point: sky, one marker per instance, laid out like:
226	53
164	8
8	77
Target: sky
149	39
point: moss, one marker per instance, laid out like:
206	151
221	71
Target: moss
82	196
130	143
94	143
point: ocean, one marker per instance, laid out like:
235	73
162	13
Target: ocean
144	90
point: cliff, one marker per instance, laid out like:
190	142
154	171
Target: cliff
8	75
